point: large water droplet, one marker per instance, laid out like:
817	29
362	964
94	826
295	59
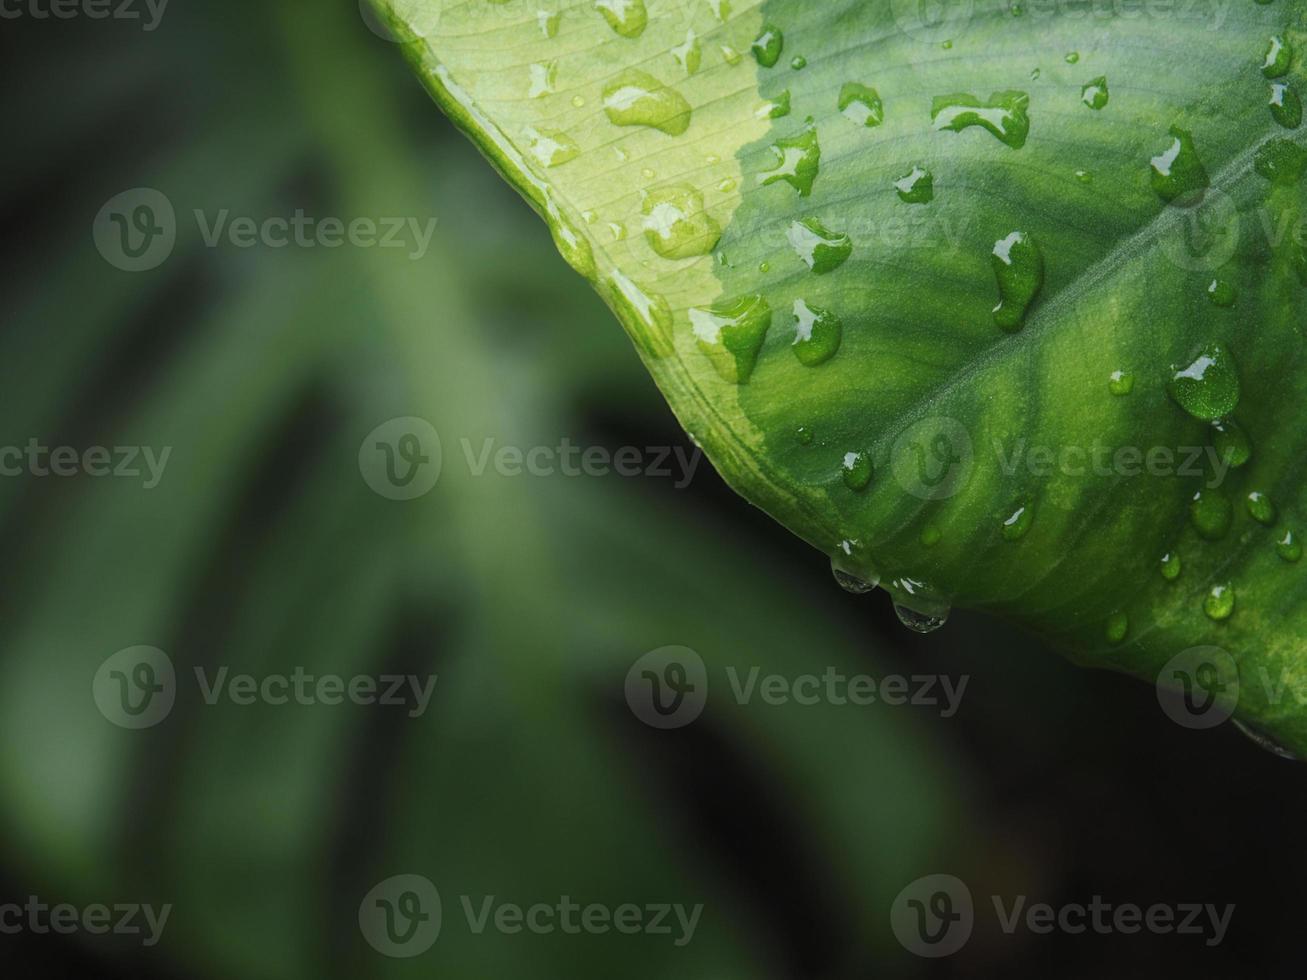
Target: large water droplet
862	104
1171	566
1280	161
628	18
767	46
1222	293
798	159
550	147
1177	170
1019	268
919	607
851	583
1006	115
817	334
690	54
1260	508
916	187
1286	106
636	98
920	621
548	20
731	335
1121	383
1095	94
721	9
1289	547
853	568
857	470
543	76
1231	442
821	249
676	224
1219	602
1210	512
1279	56
1208	387
776	108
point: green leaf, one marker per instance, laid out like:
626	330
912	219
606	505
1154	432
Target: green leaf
1073	249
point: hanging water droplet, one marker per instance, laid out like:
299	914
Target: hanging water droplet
1208	387
857	470
853	568
1231	442
1289	548
690	54
1006	115
628	18
1016	524
1121	383
776	108
861	104
767	46
549	147
1280	161
821	249
1019	268
1095	94
1118	626
1279	56
916	187
851	583
798	160
636	98
1286	106
919	621
1210	512
817	334
1222	293
1264	741
677	224
731	334
1219	602
1260	508
1171	566
1178	170
919	607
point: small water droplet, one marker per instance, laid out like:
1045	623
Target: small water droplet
578	101
730	55
1286	106
677	224
543	76
1231	443
1264	741
548	20
550	147
727	185
1084	176
1118	625
1171	566
798	62
916	187
636	98
1289	547
798	160
1019	268
1121	383
628	18
1279	56
1005	114
767	46
946	45
931	535
1208	387
1073	57
1095	94
1219	602
857	470
648	174
1016	524
1034	74
817	334
690	54
1280	161
776	108
804	435
821	249
1210	512
1222	293
861	104
721	9
1260	508
731	334
1178	170
617	230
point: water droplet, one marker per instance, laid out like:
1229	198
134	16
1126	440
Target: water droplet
817	334
543	76
767	46
635	98
578	101
1286	107
1260	508
1016	524
1019	268
727	185
617	230
1118	625
1289	547
549	147
1034	74
1084	176
946	45
1280	161
1231	443
1073	57
721	9
549	21
1264	741
853	568
1095	94
690	54
931	535
919	621
862	104
1121	383
731	334
821	249
1210	513
628	18
1178	170
1208	387
776	108
804	435
676	223
1222	293
1219	602
798	62
589	217
1279	56
851	583
730	55
1171	566
916	187
857	470
1006	115
919	607
798	159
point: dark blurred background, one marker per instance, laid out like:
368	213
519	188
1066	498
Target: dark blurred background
264	548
